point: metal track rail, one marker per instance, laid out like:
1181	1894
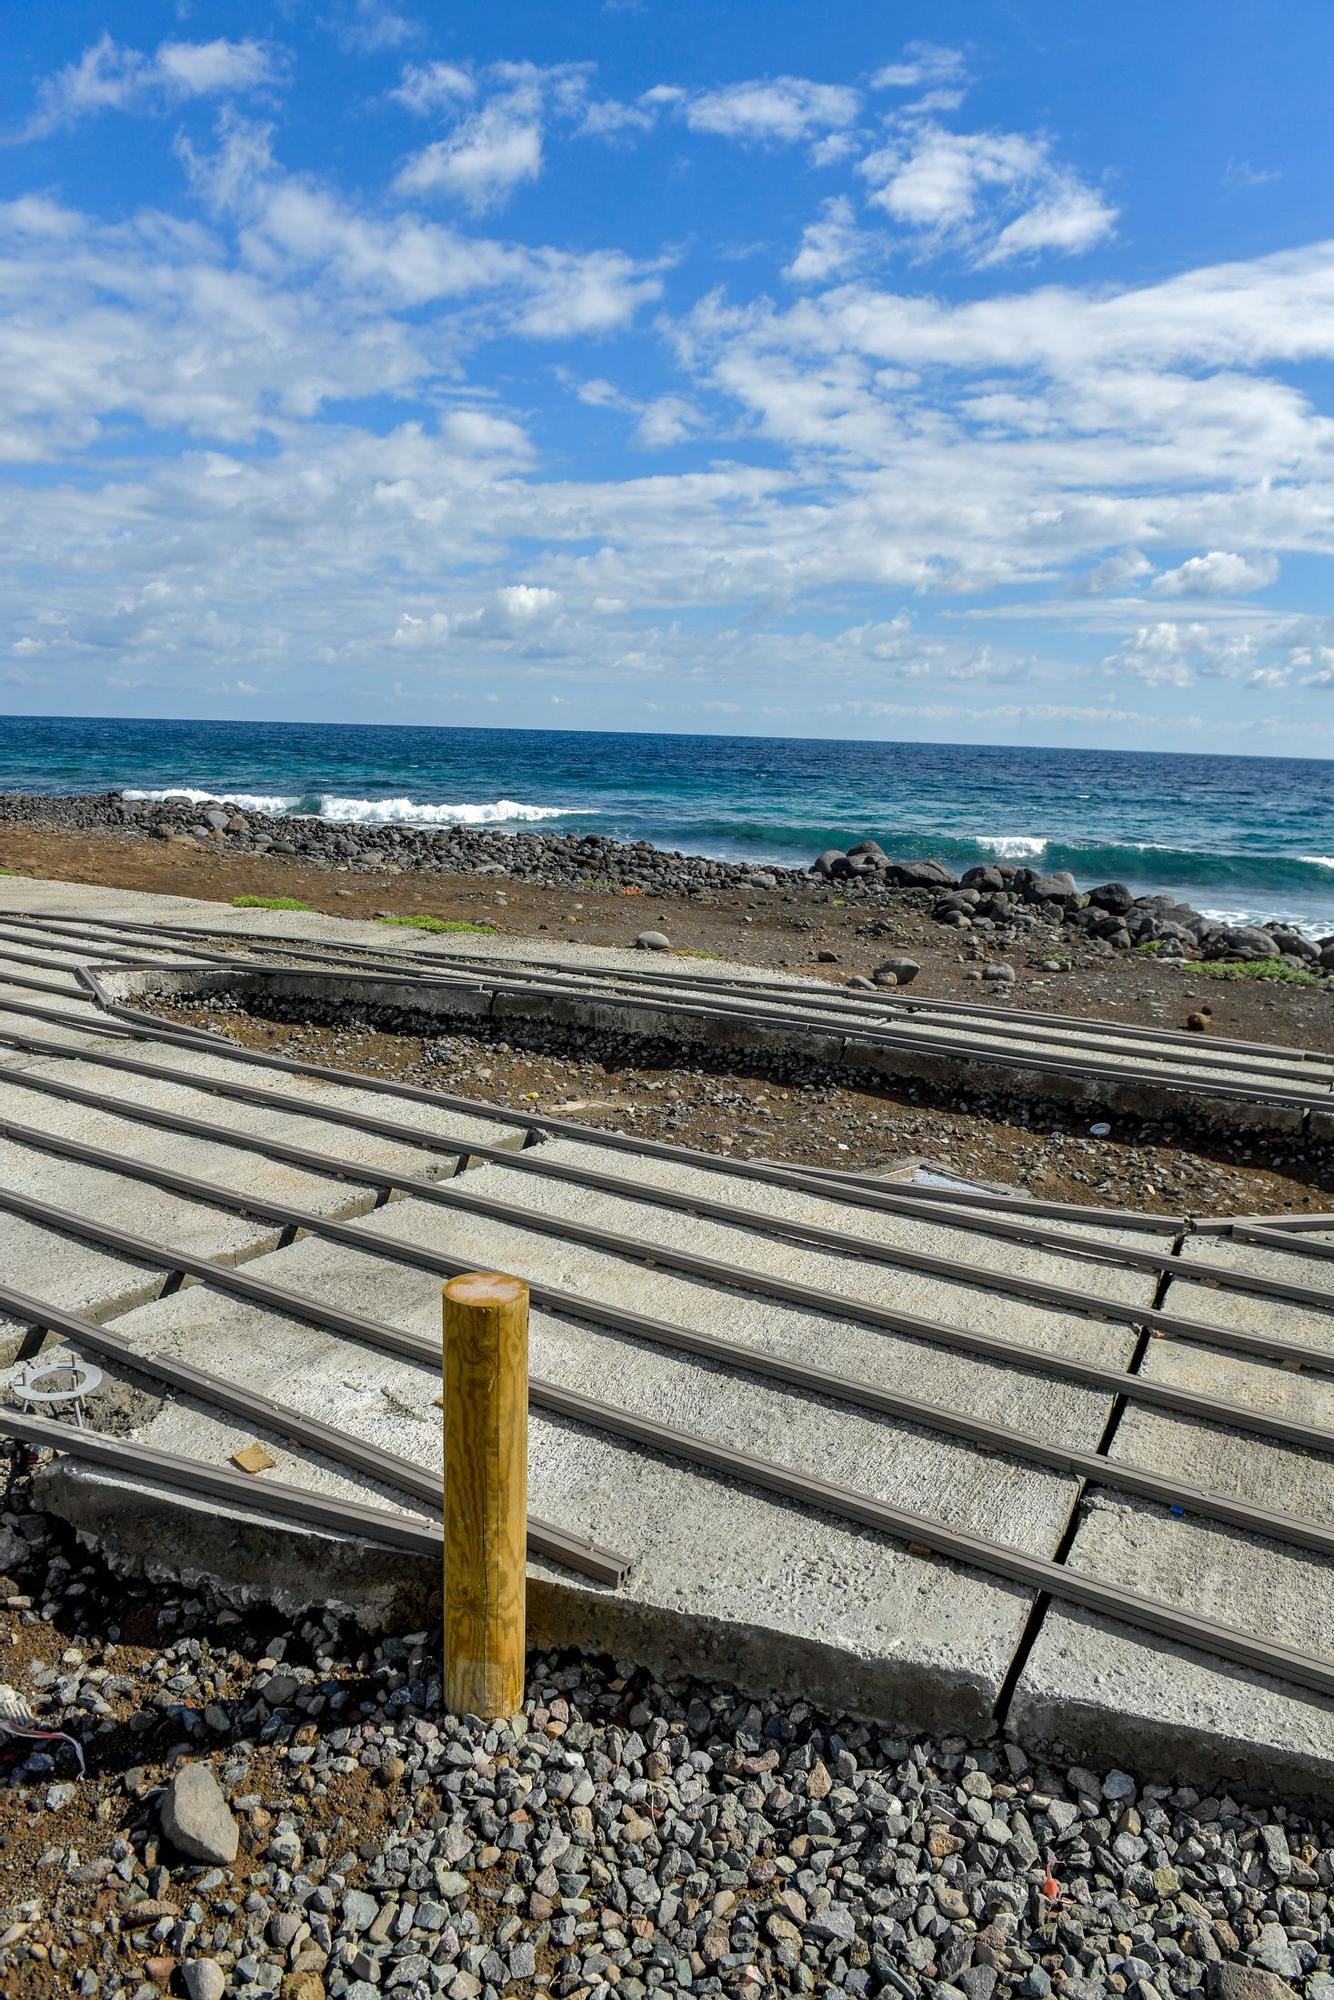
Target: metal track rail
890	1001
726	1354
811	1180
340	1447
236	1489
855	1035
919	1531
1278	1239
604	1565
1002	1559
1085	1249
1082	1302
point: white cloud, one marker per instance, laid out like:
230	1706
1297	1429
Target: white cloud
482	161
923	63
109	77
1071	219
1177	655
998	194
372	28
781	108
427	87
494	149
1217	574
1115	573
667	420
831	247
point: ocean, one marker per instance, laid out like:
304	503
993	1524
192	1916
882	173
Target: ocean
1242	838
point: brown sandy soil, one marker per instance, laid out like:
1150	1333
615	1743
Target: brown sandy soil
776	928
804	1115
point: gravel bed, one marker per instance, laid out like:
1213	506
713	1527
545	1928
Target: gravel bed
286	1810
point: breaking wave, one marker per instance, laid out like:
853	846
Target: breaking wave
366	812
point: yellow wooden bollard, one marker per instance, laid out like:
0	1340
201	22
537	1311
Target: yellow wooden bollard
486	1492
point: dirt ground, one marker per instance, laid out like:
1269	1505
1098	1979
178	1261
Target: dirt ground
777	928
804	1115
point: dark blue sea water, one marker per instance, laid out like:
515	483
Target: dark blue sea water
1237	836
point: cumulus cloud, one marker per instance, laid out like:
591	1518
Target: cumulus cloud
483	160
109	77
494	145
1115	573
773	110
1170	653
922	64
1218	574
831	247
1000	194
279	392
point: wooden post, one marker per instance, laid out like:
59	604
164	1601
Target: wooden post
486	1492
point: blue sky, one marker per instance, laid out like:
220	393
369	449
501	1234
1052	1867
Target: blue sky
955	372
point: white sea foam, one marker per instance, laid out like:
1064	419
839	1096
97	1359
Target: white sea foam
267	802
1012	846
1318	860
411	812
369	812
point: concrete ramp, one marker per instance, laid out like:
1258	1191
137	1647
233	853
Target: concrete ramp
950	1462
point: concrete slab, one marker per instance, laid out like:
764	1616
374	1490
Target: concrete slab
724	1579
1093	1691
937	1374
1160	1708
290	1125
1254	1312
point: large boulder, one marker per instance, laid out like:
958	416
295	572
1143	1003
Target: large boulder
982	877
871	850
1244	941
1058	887
823	864
922	875
1113	897
896	971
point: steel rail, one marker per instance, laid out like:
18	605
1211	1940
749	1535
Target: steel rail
93	1021
854	1178
1279	1239
339	1446
558	1544
603	1565
1002	1559
852	1035
892	1000
854	1039
238	1489
810	1235
38	985
843	1503
1038	1291
530	1162
43	962
1173	1045
641	1326
150	1027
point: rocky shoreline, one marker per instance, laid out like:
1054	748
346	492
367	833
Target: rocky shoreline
1001	901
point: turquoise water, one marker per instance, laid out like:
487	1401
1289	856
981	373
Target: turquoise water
1240	837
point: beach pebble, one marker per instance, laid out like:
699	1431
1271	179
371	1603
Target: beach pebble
196	1817
203	1979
